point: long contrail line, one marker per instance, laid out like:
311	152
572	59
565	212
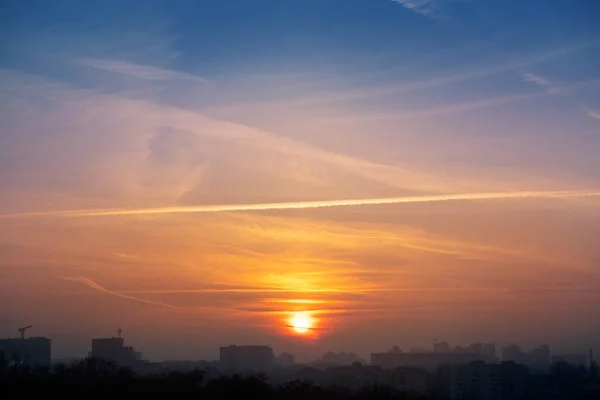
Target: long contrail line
305	204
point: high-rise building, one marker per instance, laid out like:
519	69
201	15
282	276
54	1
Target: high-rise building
479	380
442	347
538	360
114	349
33	351
246	357
475	348
574	359
489	351
512	353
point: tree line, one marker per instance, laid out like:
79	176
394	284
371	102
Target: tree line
93	377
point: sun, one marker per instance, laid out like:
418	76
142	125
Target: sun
301	322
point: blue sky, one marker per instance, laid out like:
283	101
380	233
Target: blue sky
212	37
136	105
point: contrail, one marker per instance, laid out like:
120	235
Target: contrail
94	285
305	204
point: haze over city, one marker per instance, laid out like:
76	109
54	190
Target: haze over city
341	175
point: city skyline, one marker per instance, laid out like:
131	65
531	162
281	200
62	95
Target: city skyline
488	351
342	175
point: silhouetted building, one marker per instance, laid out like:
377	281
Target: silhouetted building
485	352
575	360
482	381
285	360
395	349
428	361
246	357
537	360
442	347
476	348
33	351
331	359
512	353
489	351
114	349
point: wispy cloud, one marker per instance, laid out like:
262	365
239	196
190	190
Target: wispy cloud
458	107
90	283
140	71
214	135
434	111
373	92
428	8
128	257
552	88
591	113
541	82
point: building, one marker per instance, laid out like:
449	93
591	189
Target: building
442	347
482	381
428	361
114	349
485	351
246	357
575	360
512	353
285	360
537	360
489	351
476	348
33	351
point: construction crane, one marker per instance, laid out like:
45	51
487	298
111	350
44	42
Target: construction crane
22	331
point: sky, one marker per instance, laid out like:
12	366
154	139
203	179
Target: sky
388	172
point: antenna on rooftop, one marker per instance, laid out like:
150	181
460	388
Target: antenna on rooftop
119	332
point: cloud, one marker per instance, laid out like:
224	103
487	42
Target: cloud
537	79
541	82
590	113
175	160
127	257
90	283
87	111
305	205
551	88
140	71
357	117
429	112
376	91
428	8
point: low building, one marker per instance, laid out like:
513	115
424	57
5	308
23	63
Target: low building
575	360
247	357
427	361
285	360
33	351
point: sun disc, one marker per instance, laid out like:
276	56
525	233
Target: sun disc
301	323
